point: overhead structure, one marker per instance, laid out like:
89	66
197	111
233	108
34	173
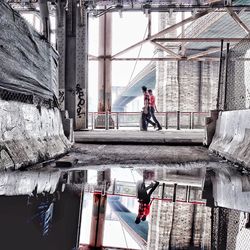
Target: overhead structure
202	42
212	21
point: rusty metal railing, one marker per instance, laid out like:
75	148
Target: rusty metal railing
169	120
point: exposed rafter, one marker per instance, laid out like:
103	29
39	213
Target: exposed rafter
201	40
159	59
238	20
203	53
164	31
169	51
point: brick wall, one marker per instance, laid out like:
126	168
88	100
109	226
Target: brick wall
179	226
184	85
194	90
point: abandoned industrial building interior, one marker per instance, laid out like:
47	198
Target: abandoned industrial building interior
83	165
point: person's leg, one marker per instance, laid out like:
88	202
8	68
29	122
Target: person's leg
152	112
137	220
144	122
148	118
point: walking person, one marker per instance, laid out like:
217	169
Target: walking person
144	199
152	109
146	112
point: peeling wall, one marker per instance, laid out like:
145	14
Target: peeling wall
29	135
28	63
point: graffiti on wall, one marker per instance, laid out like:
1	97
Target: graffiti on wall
80	101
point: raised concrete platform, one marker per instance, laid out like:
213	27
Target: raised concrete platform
164	137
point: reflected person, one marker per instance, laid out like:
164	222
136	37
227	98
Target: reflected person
144	199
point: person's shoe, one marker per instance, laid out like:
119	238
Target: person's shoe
155	126
159	129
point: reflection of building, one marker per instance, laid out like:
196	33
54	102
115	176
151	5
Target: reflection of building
177	225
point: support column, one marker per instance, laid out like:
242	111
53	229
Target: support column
61	48
98	220
104	66
99	210
72	39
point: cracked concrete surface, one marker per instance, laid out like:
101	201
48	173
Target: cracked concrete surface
98	154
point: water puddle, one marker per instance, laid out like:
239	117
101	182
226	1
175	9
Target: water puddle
194	207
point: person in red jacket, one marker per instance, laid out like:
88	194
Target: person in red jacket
144	199
146	112
152	108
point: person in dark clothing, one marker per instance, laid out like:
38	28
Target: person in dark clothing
152	108
144	199
146	112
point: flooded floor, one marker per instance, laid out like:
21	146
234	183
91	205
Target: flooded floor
192	205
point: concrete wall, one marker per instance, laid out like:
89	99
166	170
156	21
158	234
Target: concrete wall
29	135
194	89
231	139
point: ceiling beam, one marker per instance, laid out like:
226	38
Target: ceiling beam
238	20
169	51
206	40
164	31
175	8
203	53
160	59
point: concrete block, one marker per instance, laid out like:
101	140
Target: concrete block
68	129
68	125
232	136
210	126
230	189
66	162
29	135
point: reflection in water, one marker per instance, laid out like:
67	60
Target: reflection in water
192	208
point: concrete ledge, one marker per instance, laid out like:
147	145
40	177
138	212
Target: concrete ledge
232	136
29	135
174	137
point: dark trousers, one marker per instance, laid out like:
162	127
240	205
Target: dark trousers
152	114
146	120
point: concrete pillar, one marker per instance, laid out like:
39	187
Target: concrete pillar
44	13
72	39
167	88
61	48
105	66
99	209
